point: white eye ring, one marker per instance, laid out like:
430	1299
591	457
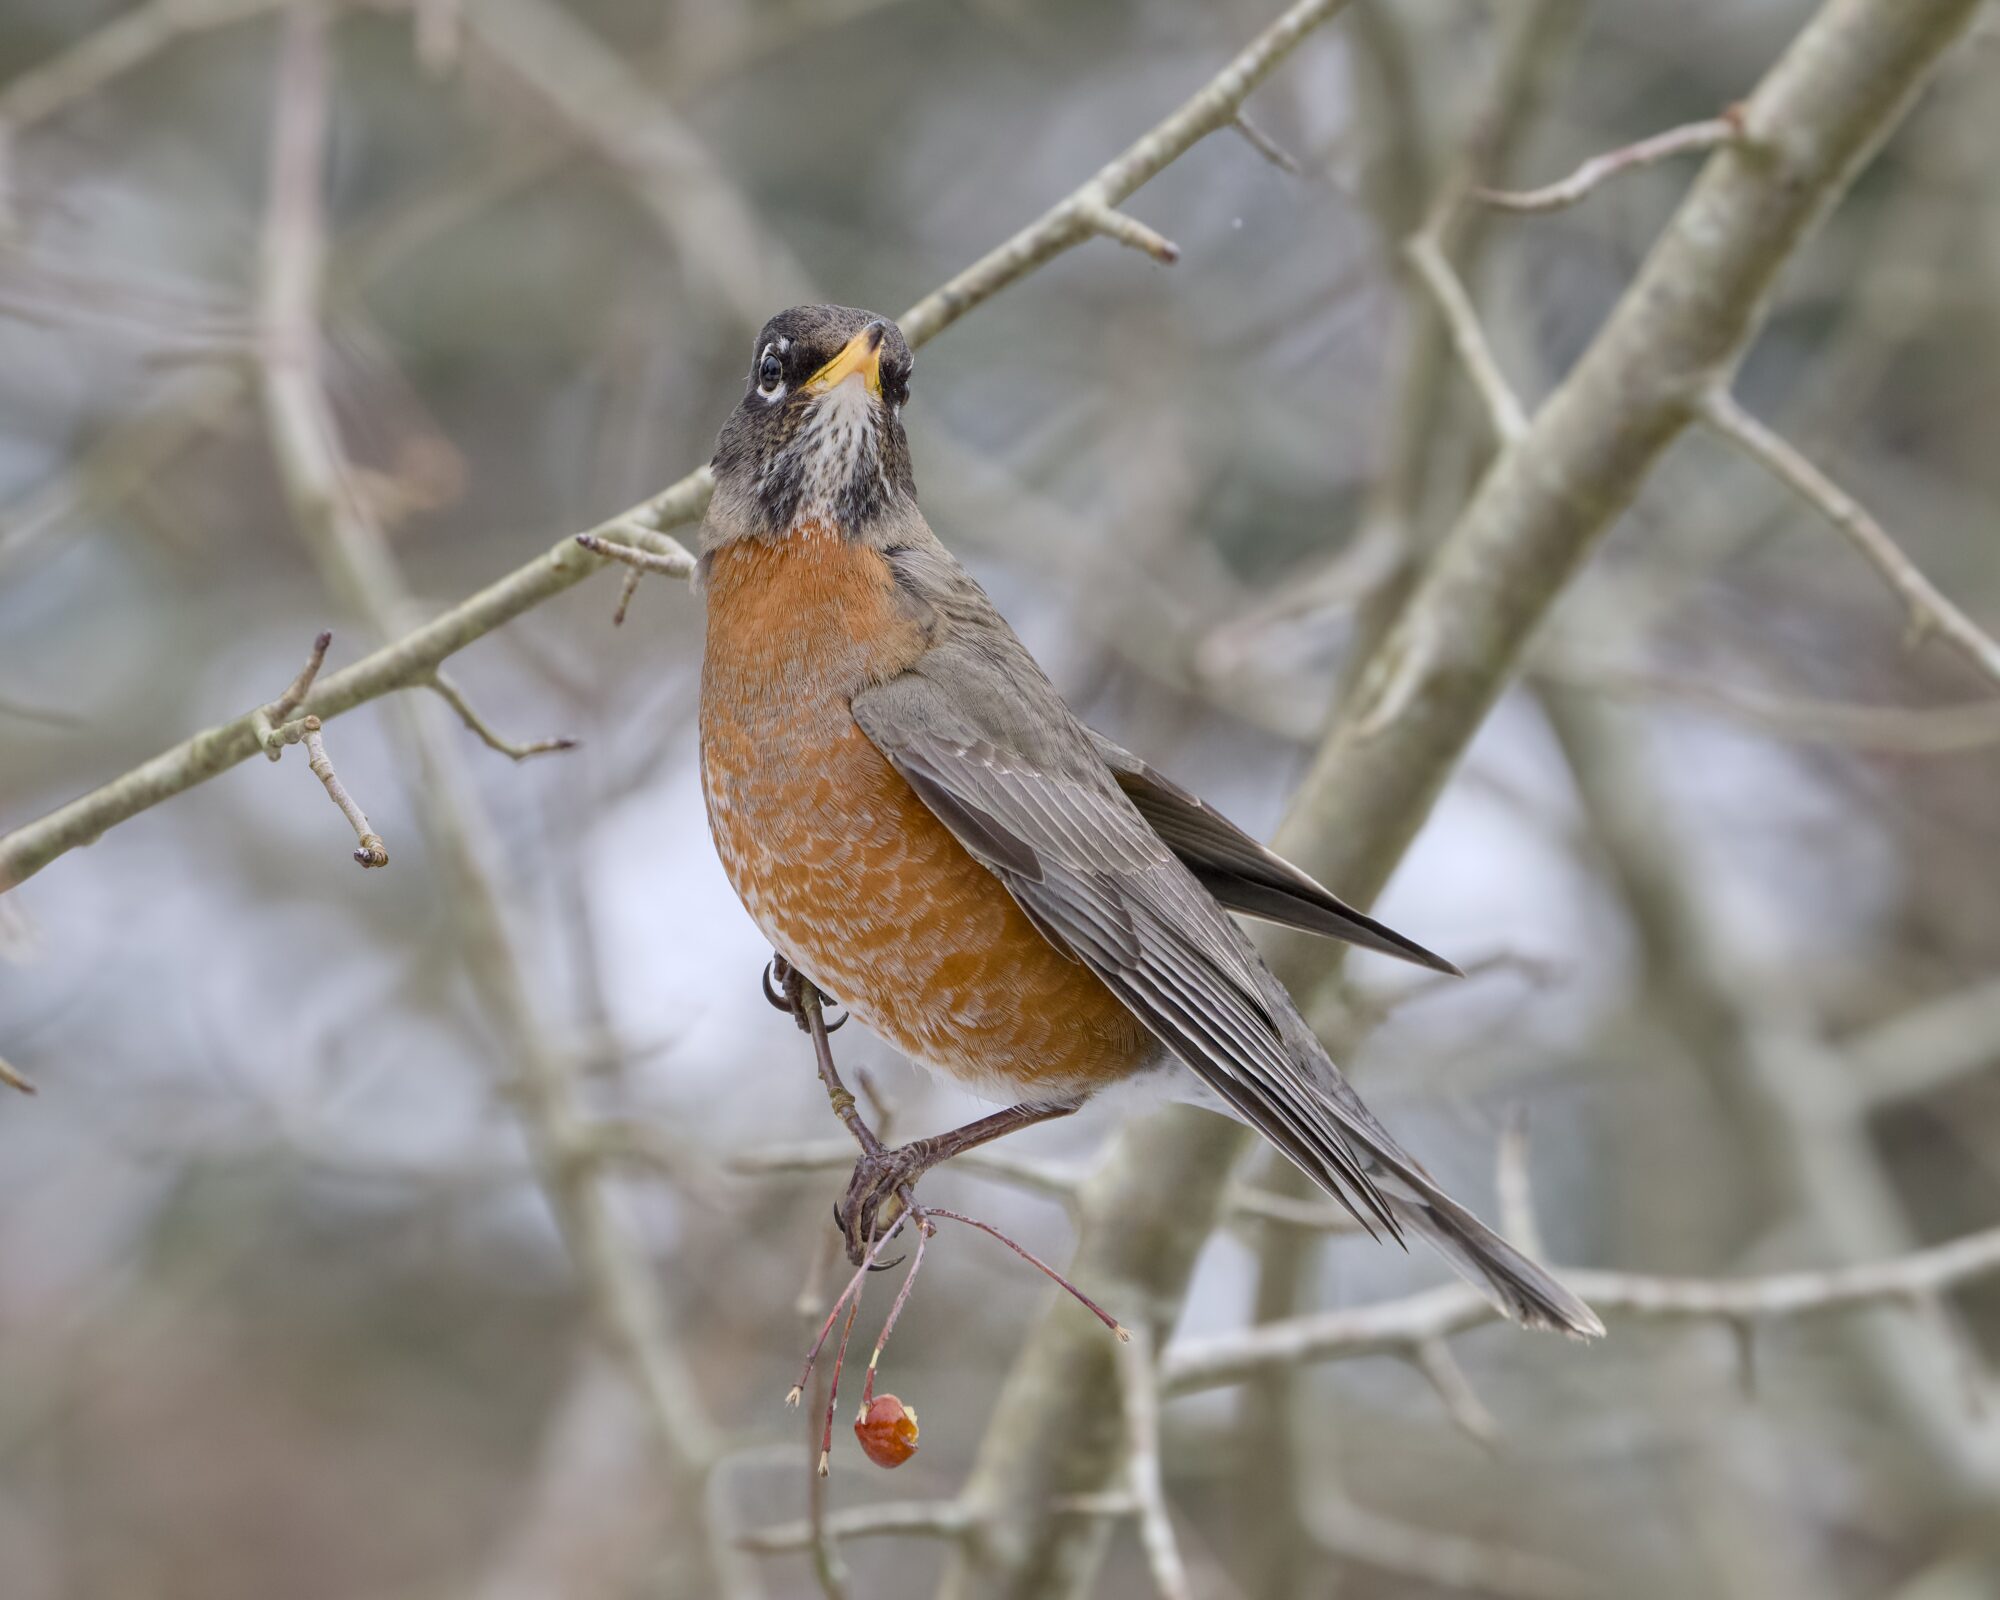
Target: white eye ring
770	374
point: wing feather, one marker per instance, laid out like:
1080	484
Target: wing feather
1243	874
1101	885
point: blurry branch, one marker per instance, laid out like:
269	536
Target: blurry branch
1904	730
355	560
13	1079
1374	570
1929	1048
596	94
1052	1180
126	41
1267	147
1444	244
928	1519
1072	220
1928	607
1680	328
131	454
1599	169
1407	1326
1468	335
1353	1533
414	658
1784	1091
1139	1394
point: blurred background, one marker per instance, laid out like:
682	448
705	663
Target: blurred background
285	1307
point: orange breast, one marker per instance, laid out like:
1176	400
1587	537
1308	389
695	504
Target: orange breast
847	872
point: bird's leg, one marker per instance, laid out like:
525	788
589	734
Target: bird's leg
881	1174
791	990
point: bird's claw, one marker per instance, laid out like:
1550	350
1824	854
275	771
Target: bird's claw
878	1180
781	984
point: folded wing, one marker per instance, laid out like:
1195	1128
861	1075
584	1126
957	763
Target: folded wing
1243	874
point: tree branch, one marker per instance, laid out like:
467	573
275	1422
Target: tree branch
413	659
1930	610
1406	1327
1601	169
1535	516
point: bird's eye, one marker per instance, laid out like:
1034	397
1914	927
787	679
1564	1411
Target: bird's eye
770	371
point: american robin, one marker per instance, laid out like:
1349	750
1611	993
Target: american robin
920	825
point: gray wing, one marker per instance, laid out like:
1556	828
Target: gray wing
1243	874
985	741
1099	884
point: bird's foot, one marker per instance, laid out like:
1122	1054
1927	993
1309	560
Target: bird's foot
883	1186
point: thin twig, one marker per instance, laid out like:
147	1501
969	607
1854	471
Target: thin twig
833	1386
1264	144
13	1080
1433	1358
452	696
1468	335
301	686
371	851
1725	129
1040	1266
1140	1395
675	564
1929	609
895	1310
1515	1189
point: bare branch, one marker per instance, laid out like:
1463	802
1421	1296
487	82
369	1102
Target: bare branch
1127	230
1904	730
411	660
1515	1189
1404	1327
1070	221
1433	1358
1055	1181
1928	607
128	40
14	1080
1724	129
676	563
1141	1399
371	851
293	697
1928	1048
1264	144
1468	335
1353	1533
355	560
451	695
923	1519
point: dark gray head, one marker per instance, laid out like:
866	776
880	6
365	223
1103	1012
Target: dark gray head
819	435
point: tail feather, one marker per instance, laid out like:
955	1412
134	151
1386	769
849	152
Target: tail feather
1519	1288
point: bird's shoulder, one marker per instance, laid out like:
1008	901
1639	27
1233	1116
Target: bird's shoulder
975	682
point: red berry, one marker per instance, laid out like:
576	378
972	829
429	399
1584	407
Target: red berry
887	1431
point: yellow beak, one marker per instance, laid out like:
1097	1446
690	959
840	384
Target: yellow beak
862	354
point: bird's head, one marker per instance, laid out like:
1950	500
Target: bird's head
818	439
